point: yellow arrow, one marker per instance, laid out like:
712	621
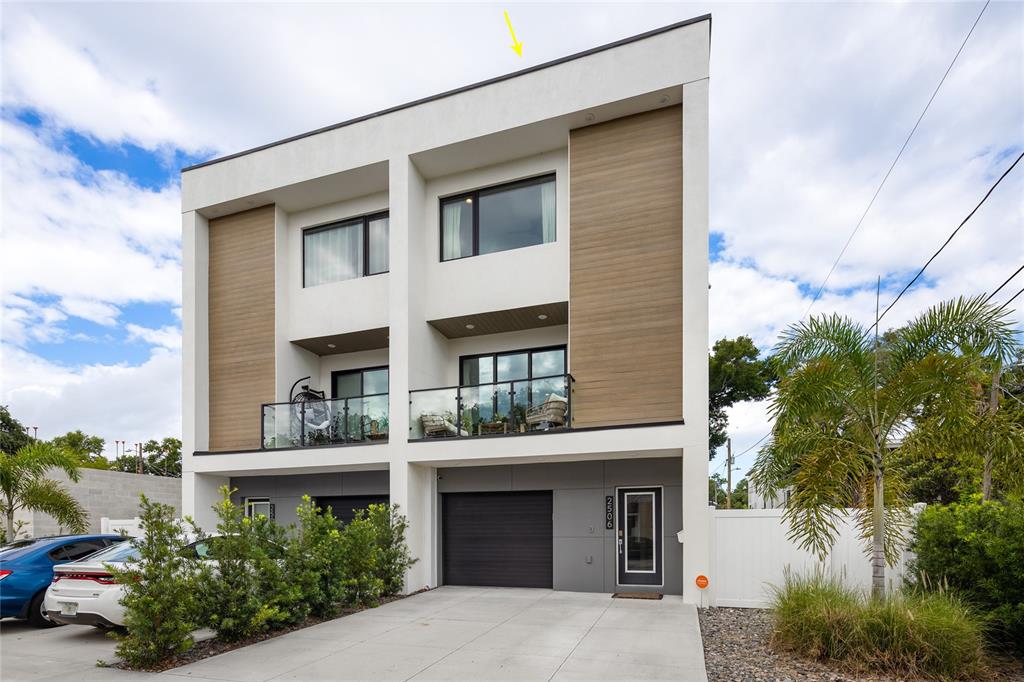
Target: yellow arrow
516	45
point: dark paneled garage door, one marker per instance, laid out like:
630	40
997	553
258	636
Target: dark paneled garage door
497	539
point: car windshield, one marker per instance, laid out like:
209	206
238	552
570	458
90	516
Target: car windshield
18	548
121	552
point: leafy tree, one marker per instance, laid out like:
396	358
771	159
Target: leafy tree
23	485
718	492
736	374
160	591
974	549
394	556
315	561
160	458
239	592
845	399
13	435
88	449
937	477
995	443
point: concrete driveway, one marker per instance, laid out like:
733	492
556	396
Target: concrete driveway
460	633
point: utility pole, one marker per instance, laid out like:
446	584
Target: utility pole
728	475
138	450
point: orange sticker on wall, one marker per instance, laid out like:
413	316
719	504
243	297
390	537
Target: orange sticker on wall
702	581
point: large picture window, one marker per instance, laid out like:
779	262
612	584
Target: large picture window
498	218
345	250
512	366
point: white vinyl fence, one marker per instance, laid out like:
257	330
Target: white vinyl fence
130	527
750	553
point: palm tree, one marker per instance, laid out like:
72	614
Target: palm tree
846	399
23	485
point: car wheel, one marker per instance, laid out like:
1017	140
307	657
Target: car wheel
37	612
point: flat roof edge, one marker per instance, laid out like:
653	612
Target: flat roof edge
456	91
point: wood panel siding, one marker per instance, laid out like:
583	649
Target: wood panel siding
241	309
626	270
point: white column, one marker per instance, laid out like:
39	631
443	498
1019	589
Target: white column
412	487
199	492
195	362
696	533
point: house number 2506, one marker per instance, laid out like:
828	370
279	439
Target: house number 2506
609	512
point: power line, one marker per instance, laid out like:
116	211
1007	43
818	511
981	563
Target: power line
871	203
1005	282
949	238
1011	299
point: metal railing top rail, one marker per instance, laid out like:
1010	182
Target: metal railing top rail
325	400
494	383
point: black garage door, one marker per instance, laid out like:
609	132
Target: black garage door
497	539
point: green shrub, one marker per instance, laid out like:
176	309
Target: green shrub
976	550
314	562
159	591
932	635
361	556
394	558
815	616
241	585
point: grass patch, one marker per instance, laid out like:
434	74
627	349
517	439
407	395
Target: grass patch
931	635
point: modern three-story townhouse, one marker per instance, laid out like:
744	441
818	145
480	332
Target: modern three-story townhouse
501	294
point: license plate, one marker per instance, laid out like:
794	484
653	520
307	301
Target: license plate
68	608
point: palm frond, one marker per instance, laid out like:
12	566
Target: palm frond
52	498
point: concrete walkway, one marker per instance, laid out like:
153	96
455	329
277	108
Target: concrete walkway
461	633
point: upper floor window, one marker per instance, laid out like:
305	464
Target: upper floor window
498	218
518	365
345	250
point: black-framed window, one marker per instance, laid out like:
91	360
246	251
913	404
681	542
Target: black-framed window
354	383
345	250
516	365
499	218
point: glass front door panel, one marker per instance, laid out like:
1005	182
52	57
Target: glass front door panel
640	535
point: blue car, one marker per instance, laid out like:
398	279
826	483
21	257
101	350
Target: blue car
26	570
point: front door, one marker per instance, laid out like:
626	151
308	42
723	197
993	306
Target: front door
639	536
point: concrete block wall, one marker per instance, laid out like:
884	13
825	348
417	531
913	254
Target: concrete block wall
113	494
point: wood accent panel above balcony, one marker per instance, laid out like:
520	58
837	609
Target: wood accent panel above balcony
500	321
241	318
625	270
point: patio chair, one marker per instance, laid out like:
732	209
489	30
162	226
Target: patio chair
436	426
550	413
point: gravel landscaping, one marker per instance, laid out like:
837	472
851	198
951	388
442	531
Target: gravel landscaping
736	649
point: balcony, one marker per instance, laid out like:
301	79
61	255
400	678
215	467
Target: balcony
541	404
362	419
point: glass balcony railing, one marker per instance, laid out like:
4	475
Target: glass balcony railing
501	408
325	422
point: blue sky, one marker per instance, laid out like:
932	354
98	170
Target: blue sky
102	105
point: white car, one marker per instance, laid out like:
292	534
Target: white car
85	593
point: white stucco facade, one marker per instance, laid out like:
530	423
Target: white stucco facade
403	161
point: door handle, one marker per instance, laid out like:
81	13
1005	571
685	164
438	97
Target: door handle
620	545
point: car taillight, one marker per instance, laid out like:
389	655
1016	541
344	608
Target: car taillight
101	578
4	574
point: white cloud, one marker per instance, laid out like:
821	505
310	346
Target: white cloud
165	337
95	240
134	403
65	84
